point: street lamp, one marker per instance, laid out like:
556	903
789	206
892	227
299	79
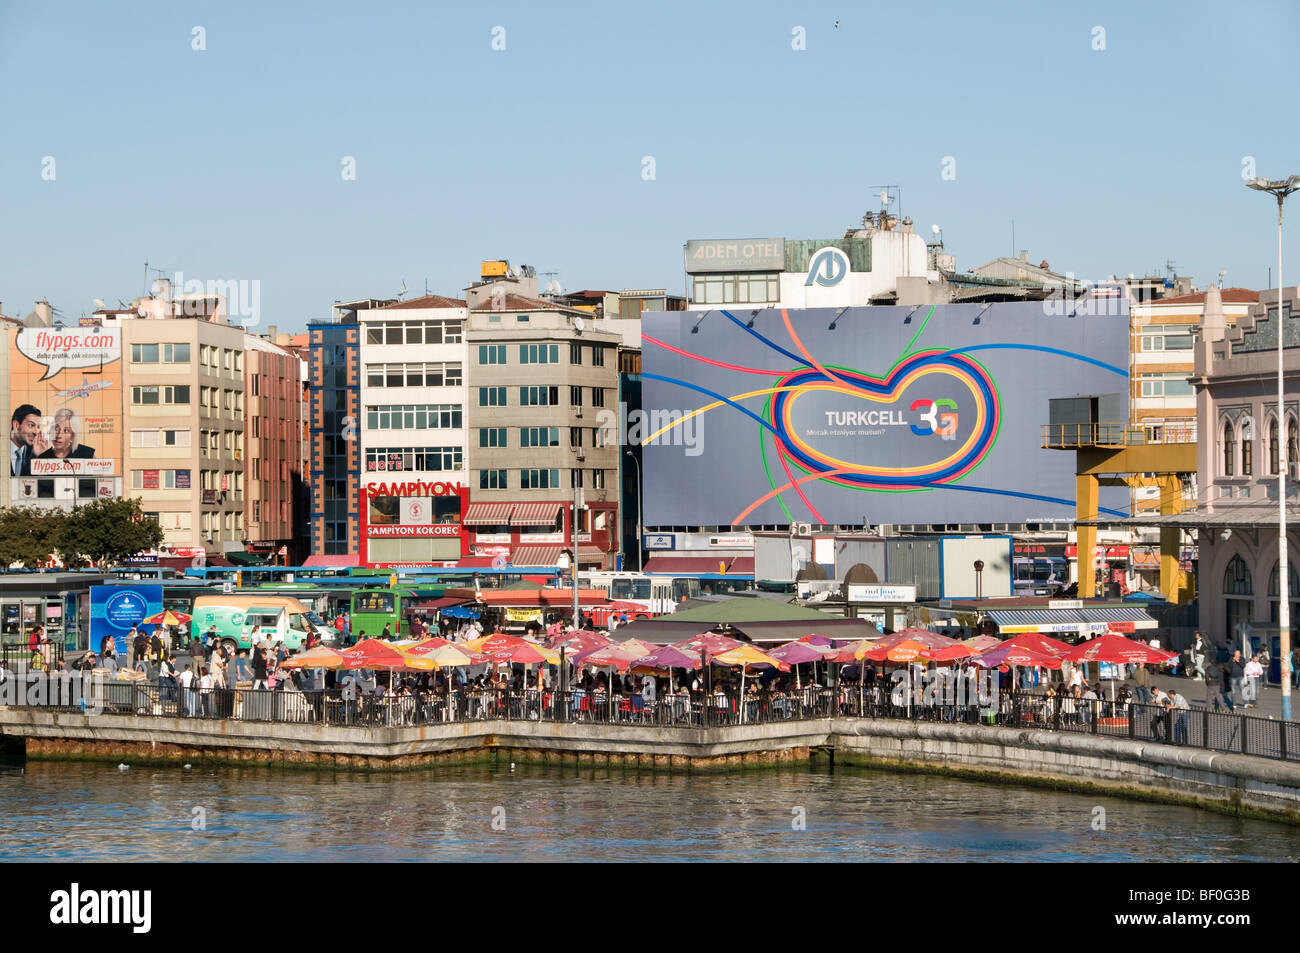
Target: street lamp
979	579
639	527
1280	189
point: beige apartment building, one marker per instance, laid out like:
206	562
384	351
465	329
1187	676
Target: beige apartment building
542	415
183	396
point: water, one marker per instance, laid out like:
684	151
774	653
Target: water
94	812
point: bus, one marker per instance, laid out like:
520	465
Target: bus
372	609
658	594
1040	575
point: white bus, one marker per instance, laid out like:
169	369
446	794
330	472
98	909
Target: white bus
657	594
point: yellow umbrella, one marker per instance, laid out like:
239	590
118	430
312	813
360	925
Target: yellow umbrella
745	655
443	656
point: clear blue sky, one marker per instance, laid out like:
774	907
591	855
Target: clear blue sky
225	163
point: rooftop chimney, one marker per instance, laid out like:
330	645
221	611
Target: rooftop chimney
1213	322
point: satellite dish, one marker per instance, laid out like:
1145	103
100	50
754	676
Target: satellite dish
99	303
935	229
143	312
579	324
884	198
553	287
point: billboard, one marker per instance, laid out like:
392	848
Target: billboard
888	414
115	609
65	392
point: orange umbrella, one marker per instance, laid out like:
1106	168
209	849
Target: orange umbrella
853	652
909	650
319	657
167	617
951	653
372	653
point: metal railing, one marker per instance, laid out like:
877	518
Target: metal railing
1202	728
1114	434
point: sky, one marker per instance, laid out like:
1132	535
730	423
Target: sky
593	140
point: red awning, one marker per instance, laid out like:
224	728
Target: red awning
488	514
340	560
535	514
687	564
590	553
475	562
536	555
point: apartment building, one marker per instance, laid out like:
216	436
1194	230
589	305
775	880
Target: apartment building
273	470
413	434
543	411
334	399
183	395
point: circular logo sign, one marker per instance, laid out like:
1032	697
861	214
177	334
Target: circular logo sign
125	609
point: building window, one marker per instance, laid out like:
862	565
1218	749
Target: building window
492	396
1166	385
1229	449
539	436
492	480
492	437
575	479
540	396
750	288
598	479
414	458
1247	452
144	438
1273	447
575	396
176	353
597	356
1169	337
598	397
491	353
414	416
144	353
1290	447
413	332
1236	578
575	436
539	354
575	352
431	374
539	479
144	395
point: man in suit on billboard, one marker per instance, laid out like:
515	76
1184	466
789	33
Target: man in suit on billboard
25	439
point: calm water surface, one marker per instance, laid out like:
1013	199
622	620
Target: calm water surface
95	812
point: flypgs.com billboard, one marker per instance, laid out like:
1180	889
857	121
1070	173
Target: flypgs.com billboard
67	384
928	414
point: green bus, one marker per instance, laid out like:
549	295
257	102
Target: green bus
372	609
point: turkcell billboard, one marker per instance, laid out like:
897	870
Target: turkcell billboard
870	415
65	391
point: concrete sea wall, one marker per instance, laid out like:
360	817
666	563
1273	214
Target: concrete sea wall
1081	762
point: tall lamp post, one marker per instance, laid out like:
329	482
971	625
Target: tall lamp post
1280	189
639	527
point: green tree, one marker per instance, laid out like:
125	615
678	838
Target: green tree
28	535
105	532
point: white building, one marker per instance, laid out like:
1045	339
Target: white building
414	359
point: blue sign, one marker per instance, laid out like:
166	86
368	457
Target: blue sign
115	610
828	268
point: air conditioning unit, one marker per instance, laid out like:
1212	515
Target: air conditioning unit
801	529
579	413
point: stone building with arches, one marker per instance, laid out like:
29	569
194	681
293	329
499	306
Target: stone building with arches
1242	443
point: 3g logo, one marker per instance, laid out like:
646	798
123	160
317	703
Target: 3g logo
941	425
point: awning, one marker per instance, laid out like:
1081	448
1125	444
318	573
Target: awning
488	514
535	514
1095	619
241	558
342	561
536	555
590	552
663	630
688	564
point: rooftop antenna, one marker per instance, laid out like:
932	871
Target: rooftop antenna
891	194
1221	276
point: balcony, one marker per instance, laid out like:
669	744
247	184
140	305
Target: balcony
1103	434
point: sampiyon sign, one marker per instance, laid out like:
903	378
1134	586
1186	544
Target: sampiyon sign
928	414
434	529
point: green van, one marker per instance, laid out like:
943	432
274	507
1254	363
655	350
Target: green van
279	619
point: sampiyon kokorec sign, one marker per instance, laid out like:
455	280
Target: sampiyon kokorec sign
928	414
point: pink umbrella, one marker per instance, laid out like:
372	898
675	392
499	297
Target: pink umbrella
931	640
796	653
710	643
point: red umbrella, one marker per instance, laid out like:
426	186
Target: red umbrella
1007	654
908	650
1116	648
1037	642
951	653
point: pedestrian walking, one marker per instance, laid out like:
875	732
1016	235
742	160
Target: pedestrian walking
1214	676
1199	648
1236	674
1178	707
1254	673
